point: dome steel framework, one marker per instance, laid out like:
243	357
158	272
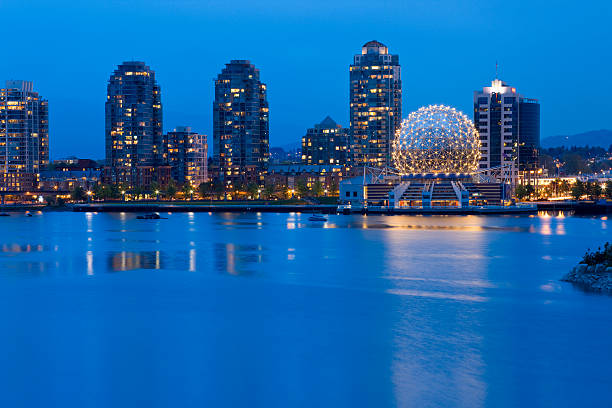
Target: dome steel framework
436	139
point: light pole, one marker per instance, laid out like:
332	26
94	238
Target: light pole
156	195
259	193
89	193
123	194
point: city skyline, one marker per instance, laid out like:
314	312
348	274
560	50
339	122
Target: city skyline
434	47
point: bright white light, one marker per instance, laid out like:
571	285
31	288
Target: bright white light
497	86
436	139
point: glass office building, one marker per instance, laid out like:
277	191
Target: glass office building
509	128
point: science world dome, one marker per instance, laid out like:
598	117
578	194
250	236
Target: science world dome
436	139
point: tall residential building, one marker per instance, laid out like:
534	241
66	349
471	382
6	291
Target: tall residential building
24	136
134	145
509	127
376	104
326	143
240	128
187	156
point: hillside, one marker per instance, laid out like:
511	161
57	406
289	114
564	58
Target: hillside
601	138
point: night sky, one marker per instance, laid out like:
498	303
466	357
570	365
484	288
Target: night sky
558	52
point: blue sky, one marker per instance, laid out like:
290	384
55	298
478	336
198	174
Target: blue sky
558	52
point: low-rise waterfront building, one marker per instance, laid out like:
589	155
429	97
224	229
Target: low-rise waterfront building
63	181
421	191
290	176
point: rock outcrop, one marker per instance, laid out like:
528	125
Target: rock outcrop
594	277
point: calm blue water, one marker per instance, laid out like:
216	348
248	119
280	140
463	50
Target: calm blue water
271	310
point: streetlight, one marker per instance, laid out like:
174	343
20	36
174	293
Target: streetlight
191	195
123	194
259	193
156	195
89	193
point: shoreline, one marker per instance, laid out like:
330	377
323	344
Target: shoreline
301	208
575	208
597	278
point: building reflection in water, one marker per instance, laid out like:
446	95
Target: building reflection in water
237	259
192	260
424	297
127	261
18	248
89	258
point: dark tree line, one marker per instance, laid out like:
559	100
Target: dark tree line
576	160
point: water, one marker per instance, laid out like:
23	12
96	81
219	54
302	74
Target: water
272	310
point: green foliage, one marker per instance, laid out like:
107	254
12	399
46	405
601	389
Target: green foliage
205	189
523	191
598	257
171	190
100	192
564	187
211	189
115	191
302	187
593	190
317	188
78	194
138	192
578	190
268	191
608	191
574	164
333	188
251	189
155	186
575	160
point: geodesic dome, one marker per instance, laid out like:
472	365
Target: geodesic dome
436	139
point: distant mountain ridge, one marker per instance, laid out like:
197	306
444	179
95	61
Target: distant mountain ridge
601	138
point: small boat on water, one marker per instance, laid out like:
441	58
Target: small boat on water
317	217
151	216
5	214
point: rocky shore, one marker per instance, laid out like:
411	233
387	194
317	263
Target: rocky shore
594	277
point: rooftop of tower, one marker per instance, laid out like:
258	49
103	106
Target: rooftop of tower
374	43
328	122
374	47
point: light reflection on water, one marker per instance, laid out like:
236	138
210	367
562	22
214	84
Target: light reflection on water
17	248
360	311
